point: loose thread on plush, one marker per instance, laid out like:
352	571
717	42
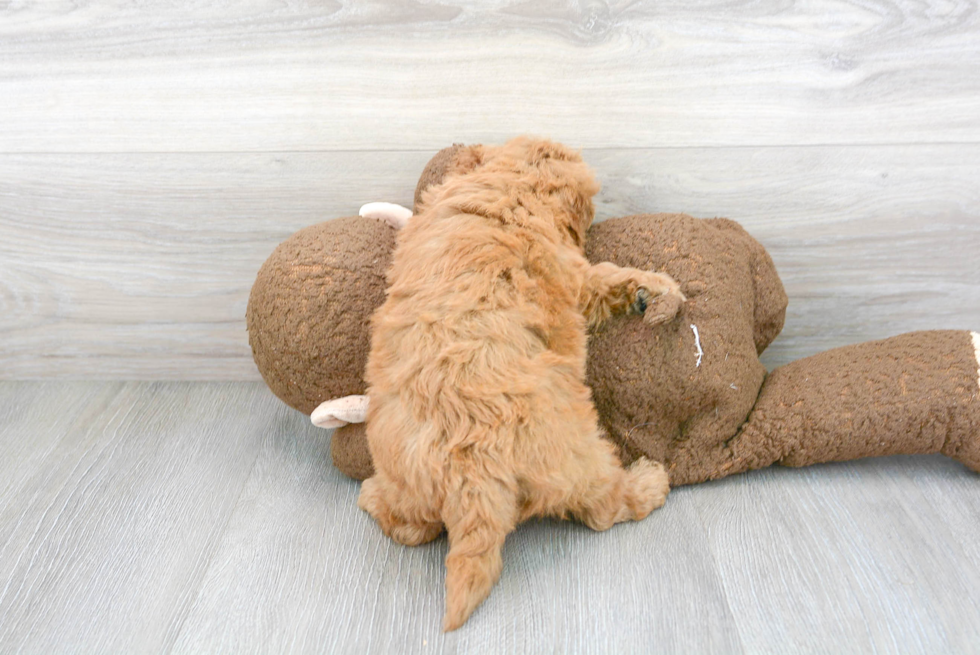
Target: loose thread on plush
697	342
641	425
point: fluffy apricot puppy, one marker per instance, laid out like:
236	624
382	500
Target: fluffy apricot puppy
479	416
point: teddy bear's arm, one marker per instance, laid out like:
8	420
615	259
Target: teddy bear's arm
610	289
915	393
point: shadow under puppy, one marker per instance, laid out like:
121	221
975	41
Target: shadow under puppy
479	416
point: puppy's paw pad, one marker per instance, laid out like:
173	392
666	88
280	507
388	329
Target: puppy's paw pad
641	301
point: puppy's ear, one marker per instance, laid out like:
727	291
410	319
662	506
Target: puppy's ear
544	149
469	158
582	211
576	192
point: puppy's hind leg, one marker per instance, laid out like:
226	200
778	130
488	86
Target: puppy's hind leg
642	488
395	514
479	514
604	493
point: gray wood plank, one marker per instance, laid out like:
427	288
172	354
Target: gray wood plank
34	419
301	569
106	76
103	546
849	557
189	517
138	266
955	501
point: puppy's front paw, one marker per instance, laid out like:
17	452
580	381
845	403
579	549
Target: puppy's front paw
659	298
663	308
641	301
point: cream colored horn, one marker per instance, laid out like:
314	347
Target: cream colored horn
394	215
340	411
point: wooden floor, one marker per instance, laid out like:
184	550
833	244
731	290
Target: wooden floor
206	518
153	154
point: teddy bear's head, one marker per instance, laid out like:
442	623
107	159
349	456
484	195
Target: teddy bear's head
671	391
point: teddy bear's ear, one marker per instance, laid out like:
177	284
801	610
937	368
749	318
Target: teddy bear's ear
770	296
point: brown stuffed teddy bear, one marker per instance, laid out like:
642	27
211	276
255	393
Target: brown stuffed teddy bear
690	393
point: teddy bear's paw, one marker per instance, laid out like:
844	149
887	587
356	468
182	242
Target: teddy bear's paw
647	486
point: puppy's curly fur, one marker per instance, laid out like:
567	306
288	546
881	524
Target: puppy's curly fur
479	416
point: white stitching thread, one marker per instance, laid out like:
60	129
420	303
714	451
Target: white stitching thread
697	342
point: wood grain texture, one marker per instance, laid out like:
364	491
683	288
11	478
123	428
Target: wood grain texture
138	266
104	540
301	569
862	556
33	422
206	517
117	76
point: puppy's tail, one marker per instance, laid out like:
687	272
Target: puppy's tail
478	517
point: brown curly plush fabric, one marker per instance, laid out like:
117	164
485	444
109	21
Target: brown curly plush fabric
349	451
912	393
436	169
309	309
667	392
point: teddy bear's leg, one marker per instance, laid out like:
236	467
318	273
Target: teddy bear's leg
913	393
402	521
965	445
611	289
